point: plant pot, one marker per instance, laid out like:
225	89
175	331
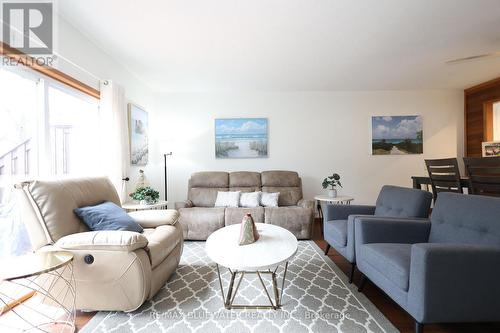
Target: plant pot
150	201
332	193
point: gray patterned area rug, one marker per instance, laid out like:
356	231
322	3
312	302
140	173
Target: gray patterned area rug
316	298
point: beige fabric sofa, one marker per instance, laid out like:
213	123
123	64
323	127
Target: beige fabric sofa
114	270
199	218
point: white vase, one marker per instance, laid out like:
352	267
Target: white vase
332	193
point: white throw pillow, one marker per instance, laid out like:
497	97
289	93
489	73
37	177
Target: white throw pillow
250	199
269	199
227	199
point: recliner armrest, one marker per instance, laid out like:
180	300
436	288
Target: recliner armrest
184	204
391	230
126	241
155	217
445	277
306	204
342	212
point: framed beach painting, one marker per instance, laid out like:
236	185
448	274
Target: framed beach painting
397	135
241	138
138	126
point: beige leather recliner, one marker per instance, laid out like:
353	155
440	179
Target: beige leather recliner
114	270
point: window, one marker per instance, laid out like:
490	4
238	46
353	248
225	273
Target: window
73	136
46	128
496	121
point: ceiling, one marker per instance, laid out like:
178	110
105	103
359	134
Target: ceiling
294	45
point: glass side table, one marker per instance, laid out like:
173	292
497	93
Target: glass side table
47	283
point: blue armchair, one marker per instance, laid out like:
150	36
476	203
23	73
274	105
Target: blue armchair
442	270
393	201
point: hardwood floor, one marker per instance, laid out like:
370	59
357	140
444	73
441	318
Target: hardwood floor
83	318
399	318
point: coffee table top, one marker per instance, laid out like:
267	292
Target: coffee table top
275	245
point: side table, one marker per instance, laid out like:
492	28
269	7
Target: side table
48	276
325	199
133	206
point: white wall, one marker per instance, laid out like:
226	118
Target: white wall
78	57
314	133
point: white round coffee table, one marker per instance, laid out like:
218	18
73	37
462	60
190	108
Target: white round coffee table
275	246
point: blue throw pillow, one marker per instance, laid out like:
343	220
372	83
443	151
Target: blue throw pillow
107	216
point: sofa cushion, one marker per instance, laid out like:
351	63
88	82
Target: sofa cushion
336	232
209	179
391	260
280	178
161	241
289	196
250	199
235	215
204	197
269	199
107	216
227	199
244	179
245	189
297	220
199	222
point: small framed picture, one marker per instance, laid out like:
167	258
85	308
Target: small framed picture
138	126
491	149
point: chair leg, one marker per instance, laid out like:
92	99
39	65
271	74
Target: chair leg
327	249
363	282
419	327
351	274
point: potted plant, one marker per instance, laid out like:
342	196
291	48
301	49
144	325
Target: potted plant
145	195
332	182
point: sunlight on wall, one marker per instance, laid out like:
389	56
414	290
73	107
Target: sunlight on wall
496	121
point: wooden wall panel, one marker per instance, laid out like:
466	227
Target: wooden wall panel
475	122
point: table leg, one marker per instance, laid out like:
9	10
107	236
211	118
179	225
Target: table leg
228	299
320	214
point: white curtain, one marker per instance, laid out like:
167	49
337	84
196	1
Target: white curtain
115	137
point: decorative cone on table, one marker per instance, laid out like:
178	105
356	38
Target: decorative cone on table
248	231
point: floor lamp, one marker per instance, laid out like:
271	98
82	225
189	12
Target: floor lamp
165	170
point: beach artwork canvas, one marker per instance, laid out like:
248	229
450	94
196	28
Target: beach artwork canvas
397	135
138	125
241	138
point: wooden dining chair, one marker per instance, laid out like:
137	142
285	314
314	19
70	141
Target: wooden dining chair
445	176
484	175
